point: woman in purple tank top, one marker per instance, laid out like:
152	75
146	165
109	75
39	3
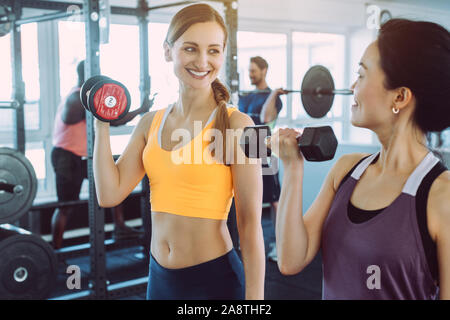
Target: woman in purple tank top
381	221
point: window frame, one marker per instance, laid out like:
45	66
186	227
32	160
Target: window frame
289	28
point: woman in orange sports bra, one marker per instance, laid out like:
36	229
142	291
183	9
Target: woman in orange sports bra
191	188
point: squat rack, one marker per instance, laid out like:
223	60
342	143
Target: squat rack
99	288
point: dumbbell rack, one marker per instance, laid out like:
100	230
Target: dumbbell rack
99	287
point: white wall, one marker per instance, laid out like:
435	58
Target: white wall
338	13
340	16
318	12
436	11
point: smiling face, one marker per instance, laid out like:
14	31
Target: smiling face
373	102
198	54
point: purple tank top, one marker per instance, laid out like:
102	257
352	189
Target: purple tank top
382	258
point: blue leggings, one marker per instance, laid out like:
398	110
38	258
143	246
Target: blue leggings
219	279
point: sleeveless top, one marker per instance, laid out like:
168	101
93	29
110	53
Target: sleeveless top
384	257
187	181
71	137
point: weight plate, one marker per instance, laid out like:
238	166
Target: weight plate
87	85
317	78
109	100
16	169
28	265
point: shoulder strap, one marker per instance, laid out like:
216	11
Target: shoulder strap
351	171
414	180
162	116
360	168
231	109
156	122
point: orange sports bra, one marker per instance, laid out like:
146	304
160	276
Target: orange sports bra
187	181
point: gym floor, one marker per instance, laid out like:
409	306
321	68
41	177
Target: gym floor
130	263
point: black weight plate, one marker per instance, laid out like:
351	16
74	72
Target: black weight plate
87	85
103	91
28	265
317	78
16	169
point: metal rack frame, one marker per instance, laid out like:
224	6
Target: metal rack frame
99	287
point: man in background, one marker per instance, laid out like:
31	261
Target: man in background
263	108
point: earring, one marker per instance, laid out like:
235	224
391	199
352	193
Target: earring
395	110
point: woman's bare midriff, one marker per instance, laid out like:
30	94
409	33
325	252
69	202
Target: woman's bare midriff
180	242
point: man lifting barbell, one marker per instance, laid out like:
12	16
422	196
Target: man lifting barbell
317	91
387	211
263	106
316	143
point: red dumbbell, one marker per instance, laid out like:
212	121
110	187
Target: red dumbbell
108	100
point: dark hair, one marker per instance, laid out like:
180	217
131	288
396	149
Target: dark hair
416	55
80	71
182	20
260	62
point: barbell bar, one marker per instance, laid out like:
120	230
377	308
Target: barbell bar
317	91
14	104
18	185
9	187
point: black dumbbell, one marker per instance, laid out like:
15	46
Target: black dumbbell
315	143
108	100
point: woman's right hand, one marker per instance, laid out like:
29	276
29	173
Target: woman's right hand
100	126
284	144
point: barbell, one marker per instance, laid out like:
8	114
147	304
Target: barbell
18	185
13	104
317	91
28	267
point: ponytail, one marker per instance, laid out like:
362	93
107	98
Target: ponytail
222	121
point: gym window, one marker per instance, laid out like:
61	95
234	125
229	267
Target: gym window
30	74
5	87
163	80
290	54
273	48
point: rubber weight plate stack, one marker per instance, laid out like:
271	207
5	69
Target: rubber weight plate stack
28	265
